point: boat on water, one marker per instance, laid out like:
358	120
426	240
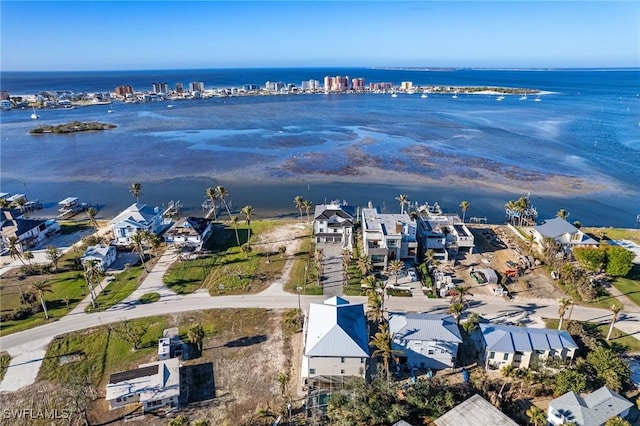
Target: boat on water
523	97
455	96
70	207
537	99
110	110
34	116
171	104
394	94
500	98
424	96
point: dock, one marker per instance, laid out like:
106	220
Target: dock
70	207
173	209
209	208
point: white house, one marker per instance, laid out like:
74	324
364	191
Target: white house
563	232
153	386
388	236
336	342
29	232
104	256
425	340
333	223
592	410
189	231
444	233
522	346
136	218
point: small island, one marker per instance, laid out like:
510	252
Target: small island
74	126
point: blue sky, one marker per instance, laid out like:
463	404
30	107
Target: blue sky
121	35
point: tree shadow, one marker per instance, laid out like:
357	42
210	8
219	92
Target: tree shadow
246	341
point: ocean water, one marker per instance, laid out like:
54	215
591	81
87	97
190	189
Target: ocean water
584	133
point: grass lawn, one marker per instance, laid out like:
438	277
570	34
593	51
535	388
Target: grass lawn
149	298
620	341
299	274
5	358
70	227
117	290
185	277
615	233
630	285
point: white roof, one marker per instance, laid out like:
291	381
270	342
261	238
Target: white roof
154	381
423	327
474	411
337	328
67	201
97	252
134	215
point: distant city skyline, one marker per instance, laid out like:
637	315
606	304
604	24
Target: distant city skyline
137	35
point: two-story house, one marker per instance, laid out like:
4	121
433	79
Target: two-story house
102	255
522	347
189	232
28	232
336	342
136	218
567	235
333	223
443	233
592	410
425	340
388	236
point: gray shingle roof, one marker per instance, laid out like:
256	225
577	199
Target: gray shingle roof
592	410
475	411
337	328
424	327
510	338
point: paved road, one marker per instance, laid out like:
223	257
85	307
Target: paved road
27	348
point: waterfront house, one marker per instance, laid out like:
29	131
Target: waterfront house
29	232
388	237
153	386
336	342
474	411
564	233
522	347
333	223
592	410
425	340
189	232
103	255
136	218
444	233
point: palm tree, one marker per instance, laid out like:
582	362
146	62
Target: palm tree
382	342
299	202
375	307
537	416
319	262
364	264
234	223
456	309
461	292
91	274
138	241
221	194
247	211
91	213
615	310
395	266
195	335
136	190
212	196
307	206
464	205
41	287
29	256
15	249
404	200
562	308
562	214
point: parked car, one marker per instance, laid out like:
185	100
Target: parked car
412	275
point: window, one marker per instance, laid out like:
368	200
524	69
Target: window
342	360
492	355
430	352
312	371
341	371
505	357
361	360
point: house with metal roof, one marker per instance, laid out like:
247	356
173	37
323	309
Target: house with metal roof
104	256
336	342
425	340
563	232
28	232
154	385
136	218
333	223
522	347
475	411
592	410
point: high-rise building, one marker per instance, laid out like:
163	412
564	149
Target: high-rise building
124	91
357	84
196	86
160	88
179	88
406	85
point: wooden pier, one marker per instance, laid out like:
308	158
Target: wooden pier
174	209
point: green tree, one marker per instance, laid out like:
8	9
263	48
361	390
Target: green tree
592	259
395	266
132	334
609	368
464	206
456	309
471	323
91	276
282	250
248	211
536	416
570	379
283	382
299	202
221	194
382	341
15	249
180	420
562	308
461	292
308	204
91	213
364	264
136	190
138	241
42	287
28	255
404	200
195	336
617	421
213	196
54	254
563	214
619	261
